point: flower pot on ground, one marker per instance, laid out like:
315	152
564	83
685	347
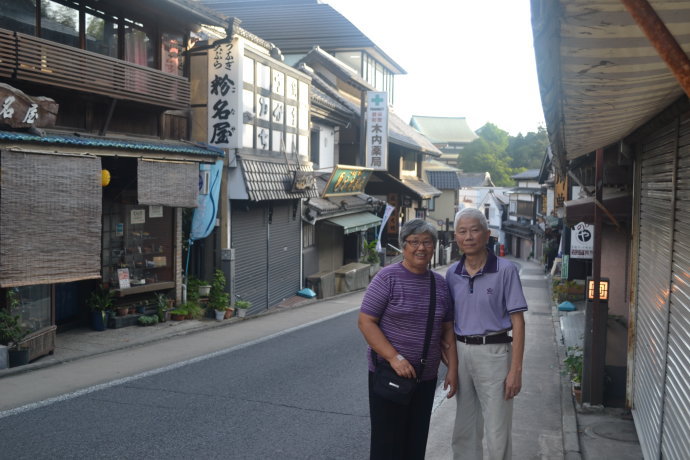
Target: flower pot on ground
162	303
218	298
229	312
12	331
99	301
220	315
18	356
122	311
178	314
242	306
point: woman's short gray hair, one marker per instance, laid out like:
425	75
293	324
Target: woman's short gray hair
472	213
416	227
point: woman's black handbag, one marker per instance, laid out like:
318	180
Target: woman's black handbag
387	383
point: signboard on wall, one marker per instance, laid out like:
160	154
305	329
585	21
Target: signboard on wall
377	130
560	191
582	241
347	180
225	94
18	110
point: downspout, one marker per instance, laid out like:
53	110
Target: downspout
661	38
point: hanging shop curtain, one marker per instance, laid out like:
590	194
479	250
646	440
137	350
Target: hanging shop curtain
167	183
50	218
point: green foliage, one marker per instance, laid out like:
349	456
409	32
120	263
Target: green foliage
503	155
370	256
218	298
181	310
573	363
100	299
567	290
145	320
194	310
193	289
12	331
243	304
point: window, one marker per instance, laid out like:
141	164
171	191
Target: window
315	147
432	204
32	305
101	33
486	211
408	162
19	16
352	59
138	45
172	56
59	23
308	235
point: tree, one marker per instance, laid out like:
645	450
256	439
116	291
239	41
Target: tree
503	155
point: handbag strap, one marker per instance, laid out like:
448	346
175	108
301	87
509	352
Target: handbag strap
429	327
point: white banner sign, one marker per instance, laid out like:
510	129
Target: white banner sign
225	94
377	131
386	215
582	241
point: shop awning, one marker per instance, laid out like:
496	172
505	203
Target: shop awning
358	222
382	183
617	207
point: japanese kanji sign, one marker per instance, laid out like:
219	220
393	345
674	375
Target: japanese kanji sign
346	180
377	130
225	94
18	110
582	241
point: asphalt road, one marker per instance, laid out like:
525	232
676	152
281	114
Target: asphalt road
301	395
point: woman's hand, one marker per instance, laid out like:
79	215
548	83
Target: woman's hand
402	367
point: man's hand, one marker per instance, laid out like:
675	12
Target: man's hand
445	346
451	382
513	384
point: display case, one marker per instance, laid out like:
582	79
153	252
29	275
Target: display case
137	248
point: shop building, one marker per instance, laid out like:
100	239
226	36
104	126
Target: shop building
92	95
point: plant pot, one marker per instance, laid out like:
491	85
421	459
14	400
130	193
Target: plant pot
132	310
98	322
122	311
204	290
176	317
167	316
141	309
229	312
18	357
220	315
241	312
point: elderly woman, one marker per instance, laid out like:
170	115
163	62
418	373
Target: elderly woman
393	319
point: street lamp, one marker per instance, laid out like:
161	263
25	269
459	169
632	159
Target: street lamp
603	290
596	314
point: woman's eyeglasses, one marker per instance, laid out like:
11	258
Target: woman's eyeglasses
415	243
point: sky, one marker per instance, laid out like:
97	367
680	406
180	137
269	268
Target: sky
463	58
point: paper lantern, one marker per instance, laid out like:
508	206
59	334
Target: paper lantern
105	177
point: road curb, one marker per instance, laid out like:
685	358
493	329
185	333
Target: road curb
571	438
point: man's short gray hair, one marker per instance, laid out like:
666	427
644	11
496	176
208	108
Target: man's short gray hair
416	227
472	213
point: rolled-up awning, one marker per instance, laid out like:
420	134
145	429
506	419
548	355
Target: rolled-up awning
358	222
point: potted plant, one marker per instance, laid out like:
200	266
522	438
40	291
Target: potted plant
242	307
148	320
229	311
218	298
11	333
573	364
178	314
194	310
371	257
193	289
162	307
99	301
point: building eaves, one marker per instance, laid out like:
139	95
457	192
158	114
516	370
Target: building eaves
129	144
267	180
444	130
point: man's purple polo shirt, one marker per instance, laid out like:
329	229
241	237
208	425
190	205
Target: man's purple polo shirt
485	301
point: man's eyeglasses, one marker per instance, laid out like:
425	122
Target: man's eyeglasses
415	243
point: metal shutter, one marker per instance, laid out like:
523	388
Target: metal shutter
676	415
284	248
657	161
249	237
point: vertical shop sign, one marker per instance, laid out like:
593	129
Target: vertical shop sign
225	94
582	241
377	130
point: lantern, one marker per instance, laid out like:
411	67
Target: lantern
105	177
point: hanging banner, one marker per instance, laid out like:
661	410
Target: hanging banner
582	241
386	215
204	218
225	94
377	131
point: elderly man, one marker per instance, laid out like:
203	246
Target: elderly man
489	302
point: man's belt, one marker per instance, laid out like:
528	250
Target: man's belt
503	337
